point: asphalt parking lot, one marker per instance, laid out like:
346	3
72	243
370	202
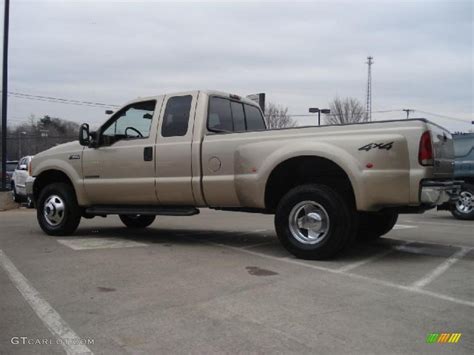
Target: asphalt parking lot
220	282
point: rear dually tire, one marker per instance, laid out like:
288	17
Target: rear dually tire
314	222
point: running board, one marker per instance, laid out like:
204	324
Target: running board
144	210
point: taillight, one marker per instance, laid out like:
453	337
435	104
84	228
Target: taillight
425	154
29	168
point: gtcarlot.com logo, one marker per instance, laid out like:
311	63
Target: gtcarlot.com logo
50	341
443	338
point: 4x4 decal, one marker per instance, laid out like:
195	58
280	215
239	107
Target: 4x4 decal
370	146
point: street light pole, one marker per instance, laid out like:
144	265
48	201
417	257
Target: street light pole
319	111
5	95
407	110
316	110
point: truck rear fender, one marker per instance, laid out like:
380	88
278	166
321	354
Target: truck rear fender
308	152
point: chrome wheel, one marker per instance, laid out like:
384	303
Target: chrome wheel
465	203
53	210
309	222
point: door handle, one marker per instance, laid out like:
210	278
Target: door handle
148	153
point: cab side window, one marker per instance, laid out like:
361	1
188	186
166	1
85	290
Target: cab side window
233	116
254	118
176	117
131	122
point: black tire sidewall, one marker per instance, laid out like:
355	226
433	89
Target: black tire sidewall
373	225
142	221
340	221
72	212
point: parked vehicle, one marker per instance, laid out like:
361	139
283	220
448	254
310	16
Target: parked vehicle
172	154
11	165
18	181
464	170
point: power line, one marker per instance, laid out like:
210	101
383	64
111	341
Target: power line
59	100
443	116
397	110
54	99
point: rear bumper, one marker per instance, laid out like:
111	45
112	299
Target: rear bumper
435	192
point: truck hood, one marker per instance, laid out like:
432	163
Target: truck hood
59	158
71	147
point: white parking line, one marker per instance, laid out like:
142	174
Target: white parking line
347	274
441	223
51	319
370	259
99	243
442	268
403	226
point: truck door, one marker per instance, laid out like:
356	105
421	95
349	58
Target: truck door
173	150
121	169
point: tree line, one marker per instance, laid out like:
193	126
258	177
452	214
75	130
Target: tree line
38	134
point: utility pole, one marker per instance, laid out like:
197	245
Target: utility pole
407	110
369	88
5	94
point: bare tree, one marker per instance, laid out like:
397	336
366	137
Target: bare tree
347	110
277	117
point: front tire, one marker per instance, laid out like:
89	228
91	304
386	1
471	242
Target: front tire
57	210
464	206
373	225
314	222
137	221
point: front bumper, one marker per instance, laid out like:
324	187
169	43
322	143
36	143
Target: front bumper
435	192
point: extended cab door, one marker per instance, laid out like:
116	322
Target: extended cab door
173	150
121	169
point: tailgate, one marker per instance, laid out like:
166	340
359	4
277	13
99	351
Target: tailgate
443	149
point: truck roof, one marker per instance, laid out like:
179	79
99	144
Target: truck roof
205	91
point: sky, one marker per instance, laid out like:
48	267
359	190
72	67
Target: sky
301	54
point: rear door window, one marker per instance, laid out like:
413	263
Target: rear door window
220	115
176	117
238	116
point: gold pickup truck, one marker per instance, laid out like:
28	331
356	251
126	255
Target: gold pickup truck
173	154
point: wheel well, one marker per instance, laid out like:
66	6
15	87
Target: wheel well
48	177
305	170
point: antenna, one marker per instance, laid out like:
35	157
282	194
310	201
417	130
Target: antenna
369	89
